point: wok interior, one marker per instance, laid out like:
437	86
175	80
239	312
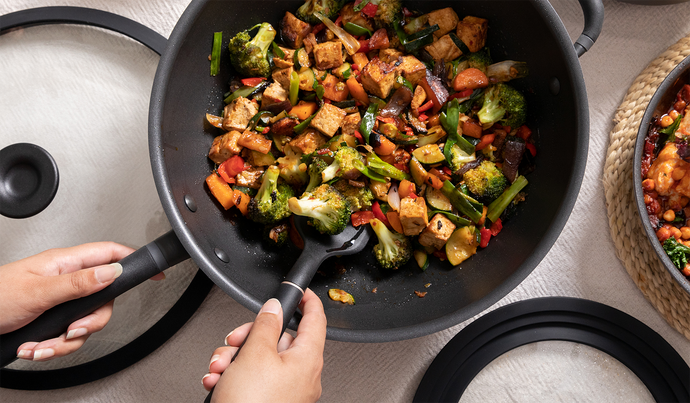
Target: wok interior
518	31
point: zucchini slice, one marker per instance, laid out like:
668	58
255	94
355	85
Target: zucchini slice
461	245
429	154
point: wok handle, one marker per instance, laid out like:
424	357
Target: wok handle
144	263
593	11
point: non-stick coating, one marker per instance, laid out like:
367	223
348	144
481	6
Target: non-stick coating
387	307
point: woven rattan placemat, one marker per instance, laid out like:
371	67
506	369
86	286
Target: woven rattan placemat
632	246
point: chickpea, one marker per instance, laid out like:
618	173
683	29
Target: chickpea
662	234
669	215
676	233
666	121
648	199
677	174
673	114
648	184
686	270
685	232
653	207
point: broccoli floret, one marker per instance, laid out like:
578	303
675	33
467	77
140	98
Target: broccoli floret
503	104
292	169
343	163
249	56
486	181
480	60
328	210
458	157
329	8
270	204
315	168
358	197
393	249
276	235
388	13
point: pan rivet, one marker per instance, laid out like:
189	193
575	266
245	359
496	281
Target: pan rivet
554	86
221	255
190	203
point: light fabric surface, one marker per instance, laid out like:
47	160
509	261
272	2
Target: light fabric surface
582	263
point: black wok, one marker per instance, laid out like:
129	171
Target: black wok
229	249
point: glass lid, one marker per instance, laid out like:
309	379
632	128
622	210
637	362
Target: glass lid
82	94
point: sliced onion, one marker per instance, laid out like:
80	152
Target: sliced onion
394	197
350	42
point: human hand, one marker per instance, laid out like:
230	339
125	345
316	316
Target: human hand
269	370
30	286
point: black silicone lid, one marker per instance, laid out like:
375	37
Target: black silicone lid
196	291
616	333
29	180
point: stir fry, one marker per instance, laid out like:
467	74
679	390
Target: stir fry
367	113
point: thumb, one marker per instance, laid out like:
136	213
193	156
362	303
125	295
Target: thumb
266	329
77	284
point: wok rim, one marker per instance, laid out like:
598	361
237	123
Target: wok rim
204	261
667	84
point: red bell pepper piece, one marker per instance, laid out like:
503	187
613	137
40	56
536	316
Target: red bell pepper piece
532	149
426	106
232	166
359	137
318	28
496	227
423	117
252	81
227	178
524	132
370	10
486	235
461	94
361	217
485	141
378	213
363	46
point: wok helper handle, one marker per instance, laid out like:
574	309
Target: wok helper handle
162	253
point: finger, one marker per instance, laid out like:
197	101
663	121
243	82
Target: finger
87	255
210	380
237	337
311	331
26	350
55	290
158	277
266	329
285	342
221	358
92	323
57	347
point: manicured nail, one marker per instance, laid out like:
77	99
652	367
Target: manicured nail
271	306
226	338
205	376
43	354
24	354
213	359
74	333
108	273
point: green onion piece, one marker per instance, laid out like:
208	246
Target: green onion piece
277	51
671	130
368	120
215	53
359	165
361	5
300	127
357	30
294	87
255	119
381	167
458	200
497	207
454	218
244	92
319	90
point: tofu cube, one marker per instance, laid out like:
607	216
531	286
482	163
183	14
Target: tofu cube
282	76
328	119
472	31
351	123
417	99
445	18
389	55
309	141
328	55
274	93
437	232
413	215
250	177
224	147
443	48
238	114
378	77
287	61
412	69
293	30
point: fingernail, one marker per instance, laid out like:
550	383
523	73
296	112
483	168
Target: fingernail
74	333
226	337
108	273
205	376
213	359
43	354
271	306
24	353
